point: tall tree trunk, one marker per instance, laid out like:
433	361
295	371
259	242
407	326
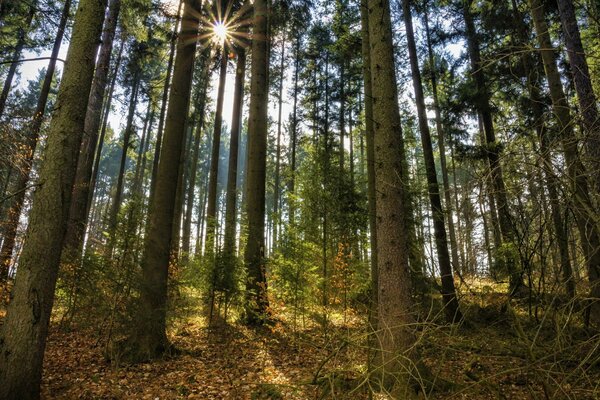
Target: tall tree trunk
151	340
26	159
583	85
143	149
398	356
180	195
106	113
211	213
25	327
583	206
165	98
236	122
450	300
369	134
294	134
257	301
342	113
81	198
277	189
116	201
491	147
442	147
12	69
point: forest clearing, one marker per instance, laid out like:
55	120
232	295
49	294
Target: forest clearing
299	199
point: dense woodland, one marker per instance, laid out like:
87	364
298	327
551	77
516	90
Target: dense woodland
299	199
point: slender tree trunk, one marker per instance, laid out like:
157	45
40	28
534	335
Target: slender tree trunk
187	227
211	213
230	208
257	301
369	133
138	180
294	134
25	327
277	190
583	85
81	198
26	159
398	356
342	113
450	300
180	195
442	148
583	207
106	113
116	201
12	69
150	340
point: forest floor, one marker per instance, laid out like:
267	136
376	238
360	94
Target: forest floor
494	356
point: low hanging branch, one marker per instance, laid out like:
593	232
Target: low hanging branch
31	59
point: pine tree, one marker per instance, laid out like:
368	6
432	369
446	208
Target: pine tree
26	325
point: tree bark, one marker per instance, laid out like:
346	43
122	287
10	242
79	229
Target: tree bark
583	85
397	356
78	214
442	148
25	327
150	340
449	298
256	282
277	189
26	159
165	98
231	200
294	134
200	113
583	206
116	201
211	212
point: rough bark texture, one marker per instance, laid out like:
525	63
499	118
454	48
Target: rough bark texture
26	159
256	281
25	328
449	298
150	339
164	102
93	118
397	356
582	203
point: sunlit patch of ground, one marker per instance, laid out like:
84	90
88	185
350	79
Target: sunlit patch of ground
494	356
